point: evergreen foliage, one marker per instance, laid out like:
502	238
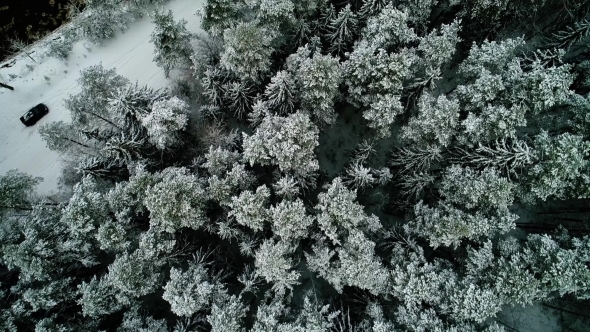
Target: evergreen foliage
318	77
260	195
166	119
177	200
16	191
248	47
287	142
171	41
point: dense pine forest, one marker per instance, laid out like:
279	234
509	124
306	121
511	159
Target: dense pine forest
318	166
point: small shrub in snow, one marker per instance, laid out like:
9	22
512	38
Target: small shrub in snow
61	46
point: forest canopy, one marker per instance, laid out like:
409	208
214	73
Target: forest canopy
346	166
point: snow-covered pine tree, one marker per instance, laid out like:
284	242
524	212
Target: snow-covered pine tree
286	187
308	8
248	49
562	168
290	220
280	92
219	160
414	280
7	323
412	159
271	315
314	317
42	247
536	270
419	11
372	7
171	41
563	264
126	198
338	213
375	78
249	208
61	46
572	34
113	237
359	177
357	265
17	191
164	124
130	103
190	291
274	264
380	322
278	14
102	19
470	302
126	147
503	89
318	77
87	209
487	189
491	55
475	206
238	97
51	295
342	29
437	49
388	28
219	15
213	81
436	122
90	107
482	8
327	15
223	188
288	142
178	200
134	320
98	298
105	132
227	314
134	275
382	112
507	155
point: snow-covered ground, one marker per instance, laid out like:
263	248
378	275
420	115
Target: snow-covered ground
50	81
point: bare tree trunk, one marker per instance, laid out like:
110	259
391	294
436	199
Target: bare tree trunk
29	55
102	118
6	86
76	142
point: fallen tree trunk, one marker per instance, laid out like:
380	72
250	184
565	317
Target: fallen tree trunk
6	86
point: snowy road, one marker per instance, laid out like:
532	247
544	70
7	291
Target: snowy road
52	80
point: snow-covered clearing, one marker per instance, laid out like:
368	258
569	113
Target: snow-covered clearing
50	80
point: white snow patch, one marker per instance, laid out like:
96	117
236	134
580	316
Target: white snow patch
51	80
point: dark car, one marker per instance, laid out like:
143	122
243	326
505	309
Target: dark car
34	114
